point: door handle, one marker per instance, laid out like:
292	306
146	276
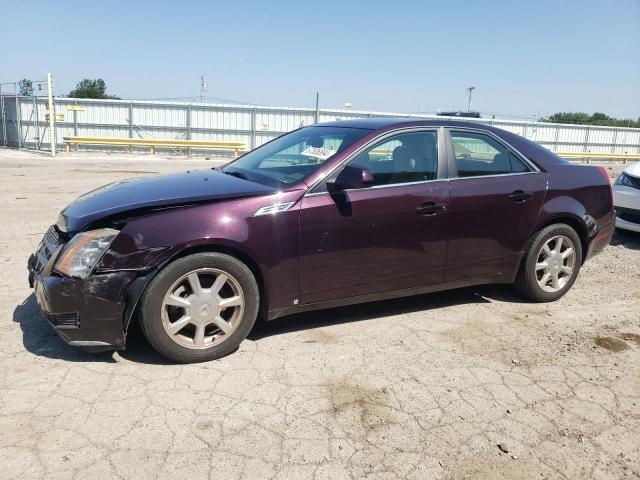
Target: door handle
520	196
431	208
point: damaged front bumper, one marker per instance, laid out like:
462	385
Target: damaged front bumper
87	312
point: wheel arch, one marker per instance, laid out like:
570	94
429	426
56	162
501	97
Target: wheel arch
230	250
140	285
574	222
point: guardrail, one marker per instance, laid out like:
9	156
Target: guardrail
236	147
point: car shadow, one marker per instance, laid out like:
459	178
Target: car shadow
627	239
39	338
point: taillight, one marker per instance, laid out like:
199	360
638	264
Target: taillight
604	173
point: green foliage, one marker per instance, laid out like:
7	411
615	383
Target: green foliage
597	118
91	89
26	87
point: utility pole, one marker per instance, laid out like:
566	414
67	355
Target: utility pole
52	117
203	88
317	107
470	89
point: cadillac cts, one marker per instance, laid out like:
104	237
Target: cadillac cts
327	215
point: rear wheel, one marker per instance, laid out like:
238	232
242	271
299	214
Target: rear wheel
551	263
200	307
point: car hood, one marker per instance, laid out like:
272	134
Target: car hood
153	192
633	170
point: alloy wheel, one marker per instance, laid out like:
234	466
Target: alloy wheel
555	263
202	308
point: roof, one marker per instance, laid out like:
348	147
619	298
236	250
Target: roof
526	147
377	123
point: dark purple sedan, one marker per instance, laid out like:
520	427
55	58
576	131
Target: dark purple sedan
328	215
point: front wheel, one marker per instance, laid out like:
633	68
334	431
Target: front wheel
200	307
551	263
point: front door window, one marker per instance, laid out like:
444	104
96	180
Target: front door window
404	158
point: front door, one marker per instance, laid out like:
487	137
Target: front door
389	236
495	200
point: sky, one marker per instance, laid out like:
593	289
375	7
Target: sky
525	58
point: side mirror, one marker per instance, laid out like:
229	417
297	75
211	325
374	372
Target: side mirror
351	177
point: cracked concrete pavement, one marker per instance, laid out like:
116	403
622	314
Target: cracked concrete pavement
421	387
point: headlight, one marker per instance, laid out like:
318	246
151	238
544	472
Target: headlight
624	180
82	253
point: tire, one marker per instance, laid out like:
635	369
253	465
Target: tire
189	315
531	281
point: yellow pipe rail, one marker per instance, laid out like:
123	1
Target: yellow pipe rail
239	146
153	143
597	155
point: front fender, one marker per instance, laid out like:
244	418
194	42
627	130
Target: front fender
147	243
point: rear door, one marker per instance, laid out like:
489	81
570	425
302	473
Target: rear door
390	236
496	196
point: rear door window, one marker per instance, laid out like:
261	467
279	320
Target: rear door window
477	155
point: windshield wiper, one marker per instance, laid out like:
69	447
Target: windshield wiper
238	174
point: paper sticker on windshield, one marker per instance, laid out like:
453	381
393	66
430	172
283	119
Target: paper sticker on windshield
321	153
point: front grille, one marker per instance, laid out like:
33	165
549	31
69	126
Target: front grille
68	320
628	214
51	241
53	237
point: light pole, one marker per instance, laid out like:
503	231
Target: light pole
52	116
203	88
470	89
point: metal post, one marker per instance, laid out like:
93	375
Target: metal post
253	128
317	107
586	139
130	119
187	114
2	117
75	120
555	143
52	117
18	121
35	112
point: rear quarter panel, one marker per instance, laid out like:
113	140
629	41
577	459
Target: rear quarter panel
580	192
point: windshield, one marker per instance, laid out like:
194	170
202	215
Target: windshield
293	157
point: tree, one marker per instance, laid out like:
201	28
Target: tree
91	89
598	118
26	87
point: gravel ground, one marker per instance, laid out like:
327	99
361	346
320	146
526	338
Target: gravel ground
472	383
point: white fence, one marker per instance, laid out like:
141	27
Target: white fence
23	124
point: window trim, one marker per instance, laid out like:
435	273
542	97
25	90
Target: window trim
453	170
443	161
